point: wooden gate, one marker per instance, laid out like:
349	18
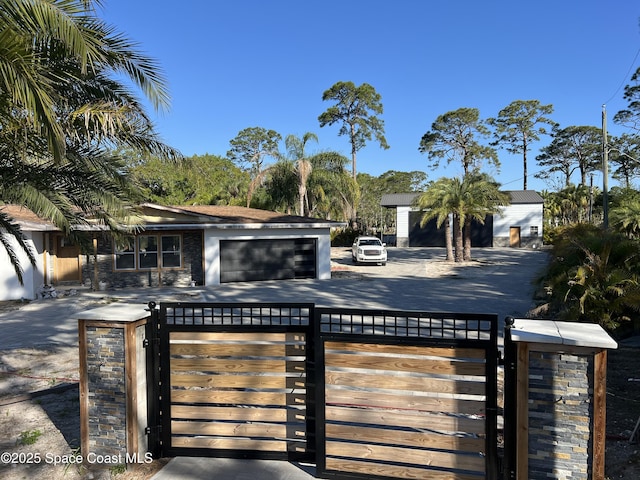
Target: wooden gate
233	380
406	395
362	393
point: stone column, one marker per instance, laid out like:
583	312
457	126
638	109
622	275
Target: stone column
113	381
560	399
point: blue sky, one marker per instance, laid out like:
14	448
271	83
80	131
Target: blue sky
245	63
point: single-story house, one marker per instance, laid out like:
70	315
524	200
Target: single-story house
517	225
178	246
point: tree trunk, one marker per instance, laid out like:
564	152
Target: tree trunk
457	238
467	239
448	240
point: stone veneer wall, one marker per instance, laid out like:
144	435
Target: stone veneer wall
525	242
192	269
106	390
560	412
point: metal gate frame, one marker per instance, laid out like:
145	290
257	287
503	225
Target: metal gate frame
409	328
221	318
320	325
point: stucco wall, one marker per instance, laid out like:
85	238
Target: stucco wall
212	247
10	288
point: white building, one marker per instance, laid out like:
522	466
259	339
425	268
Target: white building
517	225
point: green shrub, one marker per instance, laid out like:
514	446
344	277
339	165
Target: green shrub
593	277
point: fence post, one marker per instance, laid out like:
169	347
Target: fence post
113	383
555	427
510	399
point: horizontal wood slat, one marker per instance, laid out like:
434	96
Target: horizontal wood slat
444	423
233	429
404	438
235	365
400	364
406	350
406	455
200	412
393	471
404	402
234	397
229	350
230	443
231	381
414	384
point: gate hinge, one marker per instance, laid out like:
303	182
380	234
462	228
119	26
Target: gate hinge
155	429
146	342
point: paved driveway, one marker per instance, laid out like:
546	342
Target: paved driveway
498	281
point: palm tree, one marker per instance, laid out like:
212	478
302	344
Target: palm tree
626	218
435	202
295	149
471	198
62	115
332	191
483	198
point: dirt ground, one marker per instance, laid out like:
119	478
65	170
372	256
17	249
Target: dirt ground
39	402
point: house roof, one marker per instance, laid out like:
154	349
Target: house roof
525	196
27	220
398	199
406	199
159	217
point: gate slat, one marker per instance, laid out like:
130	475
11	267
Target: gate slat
455	352
233	397
406	402
222	429
235	365
230	443
229	350
406	455
230	381
404	438
255	414
416	419
394	471
410	383
404	364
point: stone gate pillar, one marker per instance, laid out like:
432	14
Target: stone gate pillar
555	399
113	382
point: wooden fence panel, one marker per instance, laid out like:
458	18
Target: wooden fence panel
237	391
404	411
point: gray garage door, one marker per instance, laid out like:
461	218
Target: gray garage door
252	260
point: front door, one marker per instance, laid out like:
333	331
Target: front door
66	266
514	237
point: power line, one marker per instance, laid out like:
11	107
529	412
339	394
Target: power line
625	77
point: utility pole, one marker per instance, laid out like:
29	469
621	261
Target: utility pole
605	170
591	199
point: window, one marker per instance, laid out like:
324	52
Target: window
125	254
171	257
534	231
148	252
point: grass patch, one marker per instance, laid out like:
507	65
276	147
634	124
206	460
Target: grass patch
29	437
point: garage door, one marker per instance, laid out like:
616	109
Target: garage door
431	236
253	260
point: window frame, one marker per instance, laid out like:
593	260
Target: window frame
158	252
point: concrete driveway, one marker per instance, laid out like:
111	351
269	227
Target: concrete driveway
498	280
